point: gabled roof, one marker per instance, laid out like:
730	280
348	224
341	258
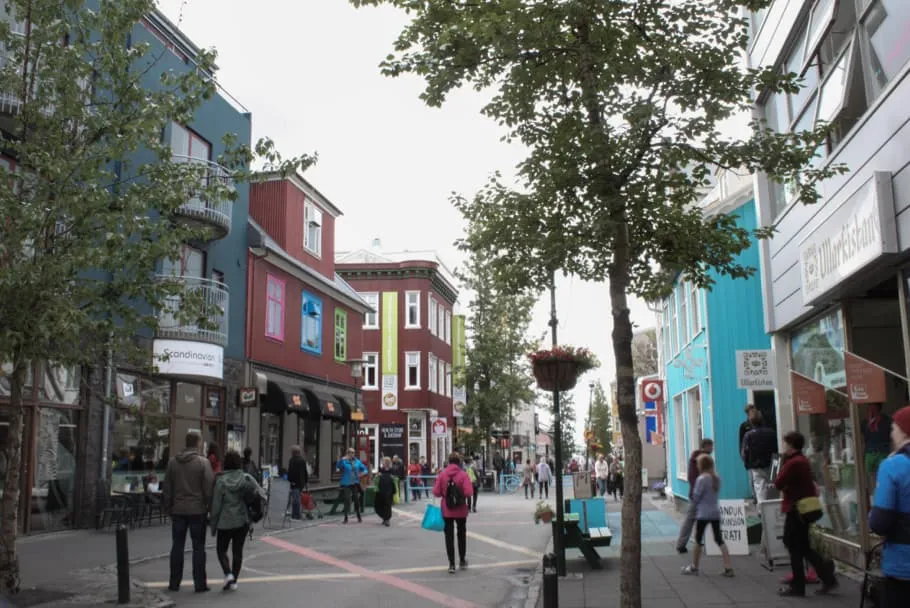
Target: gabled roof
336	287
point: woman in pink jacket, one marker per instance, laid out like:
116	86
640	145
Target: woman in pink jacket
455	488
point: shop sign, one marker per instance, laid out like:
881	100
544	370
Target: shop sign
856	234
184	358
732	527
439	426
754	370
389	400
652	391
865	380
247	396
459	400
391	440
808	395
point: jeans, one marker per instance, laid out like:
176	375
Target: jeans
796	539
617	486
529	485
415	489
474	498
761	479
295	503
351	493
896	592
601	486
195	525
462	538
234	537
685	531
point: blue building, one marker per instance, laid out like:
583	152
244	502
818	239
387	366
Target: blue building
700	334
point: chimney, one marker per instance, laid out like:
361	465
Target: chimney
377	244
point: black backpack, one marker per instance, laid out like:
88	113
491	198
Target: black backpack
454	494
255	505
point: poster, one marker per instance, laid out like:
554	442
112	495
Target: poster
754	370
392	440
389	351
439	427
459	394
808	395
865	380
733	528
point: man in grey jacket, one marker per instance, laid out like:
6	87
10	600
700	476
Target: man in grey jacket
188	487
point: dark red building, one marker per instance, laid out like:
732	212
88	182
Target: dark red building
407	347
304	327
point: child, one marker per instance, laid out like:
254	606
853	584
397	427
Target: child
707	512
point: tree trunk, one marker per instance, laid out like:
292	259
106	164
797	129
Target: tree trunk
9	521
630	570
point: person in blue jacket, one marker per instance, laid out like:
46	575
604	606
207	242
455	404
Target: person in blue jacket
890	515
351	469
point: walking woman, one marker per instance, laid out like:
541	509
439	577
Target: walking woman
351	469
385	492
543	478
527	478
616	471
414	480
795	483
707	513
230	519
454	486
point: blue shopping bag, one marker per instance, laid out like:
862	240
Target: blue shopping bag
432	519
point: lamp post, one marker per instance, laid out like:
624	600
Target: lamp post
558	538
589	426
356	375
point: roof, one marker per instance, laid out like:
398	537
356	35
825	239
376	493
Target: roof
371	256
336	287
304	186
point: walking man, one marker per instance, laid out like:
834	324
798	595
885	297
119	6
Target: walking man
707	446
298	477
758	449
188	487
544	474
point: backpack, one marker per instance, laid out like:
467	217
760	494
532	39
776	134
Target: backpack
454	494
255	505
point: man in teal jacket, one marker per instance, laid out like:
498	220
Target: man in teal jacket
351	469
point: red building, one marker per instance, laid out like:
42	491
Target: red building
304	327
407	349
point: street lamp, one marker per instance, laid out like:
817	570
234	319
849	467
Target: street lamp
356	375
590	425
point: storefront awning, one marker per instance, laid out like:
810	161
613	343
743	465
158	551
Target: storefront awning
280	398
354	415
329	406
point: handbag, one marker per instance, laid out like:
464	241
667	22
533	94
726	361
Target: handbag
810	509
432	519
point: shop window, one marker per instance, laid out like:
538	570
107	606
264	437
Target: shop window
679	431
214	403
140	439
886	25
339	443
55	470
341	335
310	323
60	383
311	432
188	400
370	371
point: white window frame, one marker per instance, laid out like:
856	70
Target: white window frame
695	306
448	327
370	362
448	380
695	425
679	437
312	216
371	319
411	301
432	307
441	377
441	321
683	299
674	327
411	360
432	364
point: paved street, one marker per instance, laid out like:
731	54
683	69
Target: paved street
366	565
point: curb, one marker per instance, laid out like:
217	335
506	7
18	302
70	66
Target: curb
534	587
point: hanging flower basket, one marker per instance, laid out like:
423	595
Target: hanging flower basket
558	369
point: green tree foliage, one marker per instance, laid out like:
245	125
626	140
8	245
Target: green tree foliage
497	373
600	421
87	205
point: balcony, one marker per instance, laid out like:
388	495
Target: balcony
214	214
208	298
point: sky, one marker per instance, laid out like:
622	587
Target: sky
308	72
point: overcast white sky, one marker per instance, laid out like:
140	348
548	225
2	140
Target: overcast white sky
307	70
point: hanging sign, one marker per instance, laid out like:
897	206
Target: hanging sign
247	396
389	374
439	426
808	395
652	390
865	380
754	370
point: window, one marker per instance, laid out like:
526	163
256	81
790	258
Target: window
370	371
341	335
339	444
693	402
433	362
448	380
188	144
310	323
666	332
441	321
412	369
674	335
448	327
694	308
679	431
886	25
412	302
683	298
312	229
371	319
274	314
433	307
441	377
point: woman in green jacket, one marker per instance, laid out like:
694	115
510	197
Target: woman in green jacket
230	519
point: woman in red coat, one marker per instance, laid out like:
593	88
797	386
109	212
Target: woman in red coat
795	483
455	488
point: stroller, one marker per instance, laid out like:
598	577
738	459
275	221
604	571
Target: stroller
872	580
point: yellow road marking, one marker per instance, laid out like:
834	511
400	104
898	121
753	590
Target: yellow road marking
482	538
329	576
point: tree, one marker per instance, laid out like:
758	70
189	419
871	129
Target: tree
497	373
88	200
567	416
600	420
621	105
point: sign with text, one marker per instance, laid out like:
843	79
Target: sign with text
459	394
733	529
808	395
439	427
184	358
392	440
247	396
389	350
865	380
754	370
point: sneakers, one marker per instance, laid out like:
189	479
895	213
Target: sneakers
464	564
451	568
729	572
690	569
228	581
682	550
232	587
811	578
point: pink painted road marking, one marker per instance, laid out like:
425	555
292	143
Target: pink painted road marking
393	581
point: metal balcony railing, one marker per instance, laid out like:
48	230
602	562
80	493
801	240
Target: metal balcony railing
211	295
216	214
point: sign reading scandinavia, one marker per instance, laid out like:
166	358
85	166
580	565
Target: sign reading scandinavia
754	369
184	358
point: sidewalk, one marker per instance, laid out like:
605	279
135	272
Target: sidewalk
664	586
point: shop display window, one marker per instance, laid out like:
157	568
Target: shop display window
140	437
54	486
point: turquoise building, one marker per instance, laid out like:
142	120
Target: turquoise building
700	333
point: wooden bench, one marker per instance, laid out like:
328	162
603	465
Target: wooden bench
586	543
600	537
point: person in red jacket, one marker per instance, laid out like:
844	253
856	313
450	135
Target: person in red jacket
795	483
455	488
